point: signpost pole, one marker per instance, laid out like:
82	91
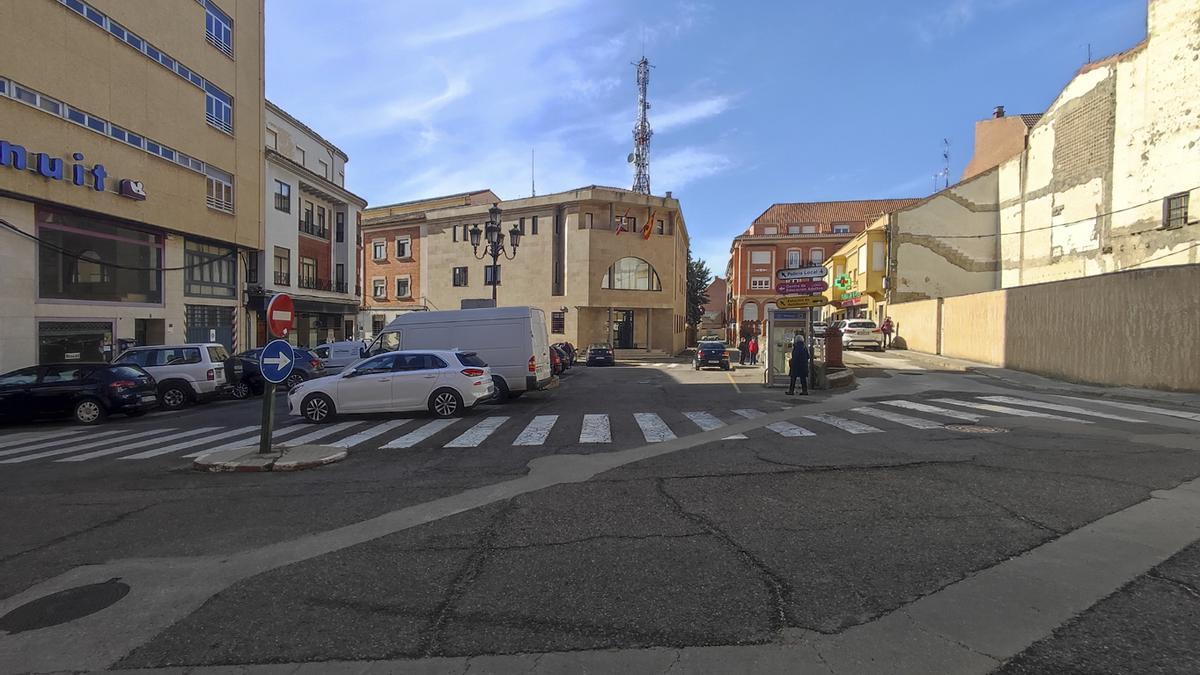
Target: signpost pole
268	419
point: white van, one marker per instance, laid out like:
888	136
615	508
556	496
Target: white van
512	340
338	355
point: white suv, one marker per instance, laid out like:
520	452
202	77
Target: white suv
185	373
861	332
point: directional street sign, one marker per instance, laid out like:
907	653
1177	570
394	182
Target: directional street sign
277	361
803	286
280	311
794	274
801	301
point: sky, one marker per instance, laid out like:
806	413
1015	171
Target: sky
753	102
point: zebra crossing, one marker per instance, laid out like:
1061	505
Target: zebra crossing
71	445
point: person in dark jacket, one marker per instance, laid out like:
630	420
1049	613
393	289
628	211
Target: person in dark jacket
744	349
798	368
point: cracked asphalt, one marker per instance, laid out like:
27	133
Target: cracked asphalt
729	542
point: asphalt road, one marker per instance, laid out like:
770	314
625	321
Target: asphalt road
812	514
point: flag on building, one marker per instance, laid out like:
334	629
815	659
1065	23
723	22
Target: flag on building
647	228
621	223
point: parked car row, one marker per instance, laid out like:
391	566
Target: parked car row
88	392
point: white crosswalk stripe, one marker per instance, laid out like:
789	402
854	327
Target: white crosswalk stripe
39	436
111	437
248	441
371	432
1184	414
537	430
709	422
316	435
944	412
914	422
189	444
653	427
125	447
596	429
1005	410
420	433
785	429
55	442
845	424
1060	408
477	434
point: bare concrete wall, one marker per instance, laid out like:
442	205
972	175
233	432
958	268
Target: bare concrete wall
1139	328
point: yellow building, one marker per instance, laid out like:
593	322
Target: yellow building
584	258
131	149
856	275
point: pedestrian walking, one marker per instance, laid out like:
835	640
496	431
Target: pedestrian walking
753	347
798	368
886	328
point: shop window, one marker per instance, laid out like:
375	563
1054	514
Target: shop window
66	341
93	260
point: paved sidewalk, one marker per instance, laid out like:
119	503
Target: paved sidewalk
973	626
1040	383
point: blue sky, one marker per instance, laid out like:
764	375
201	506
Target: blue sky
753	102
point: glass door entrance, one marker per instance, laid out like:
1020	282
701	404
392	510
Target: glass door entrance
622	329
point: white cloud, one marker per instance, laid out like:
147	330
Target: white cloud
677	168
954	15
690	112
485	18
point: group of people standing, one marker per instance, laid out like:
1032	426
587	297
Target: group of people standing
748	349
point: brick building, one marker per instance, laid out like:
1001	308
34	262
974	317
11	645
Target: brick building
789	235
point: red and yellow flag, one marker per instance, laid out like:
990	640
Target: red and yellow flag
648	227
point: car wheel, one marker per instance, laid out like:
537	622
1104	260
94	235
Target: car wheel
445	403
173	396
317	408
293	380
240	391
89	411
502	392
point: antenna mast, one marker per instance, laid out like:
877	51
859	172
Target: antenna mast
532	175
640	157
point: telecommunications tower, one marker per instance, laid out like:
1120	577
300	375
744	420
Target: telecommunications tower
640	157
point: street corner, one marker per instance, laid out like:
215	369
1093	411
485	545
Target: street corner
285	459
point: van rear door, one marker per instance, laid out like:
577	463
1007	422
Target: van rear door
541	345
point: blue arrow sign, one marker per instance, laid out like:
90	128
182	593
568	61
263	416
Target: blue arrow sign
276	361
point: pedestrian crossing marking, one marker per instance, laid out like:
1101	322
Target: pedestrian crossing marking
316	435
1143	408
785	429
38	437
85	446
845	424
1060	408
188	444
596	429
1005	410
708	422
126	447
537	430
914	422
40	443
248	441
477	434
421	433
654	429
369	433
944	412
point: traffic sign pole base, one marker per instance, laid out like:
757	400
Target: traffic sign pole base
250	459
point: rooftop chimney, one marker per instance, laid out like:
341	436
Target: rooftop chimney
668	194
998	112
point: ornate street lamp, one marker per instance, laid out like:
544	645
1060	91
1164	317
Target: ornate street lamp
493	247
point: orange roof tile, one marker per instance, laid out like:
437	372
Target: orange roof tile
856	211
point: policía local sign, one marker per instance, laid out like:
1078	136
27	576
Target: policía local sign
798	273
802	286
801	301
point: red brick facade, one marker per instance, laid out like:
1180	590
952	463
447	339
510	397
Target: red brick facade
319	250
390	267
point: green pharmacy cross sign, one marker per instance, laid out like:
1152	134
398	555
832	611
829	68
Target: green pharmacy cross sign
842	282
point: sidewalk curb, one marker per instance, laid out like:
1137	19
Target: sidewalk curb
248	460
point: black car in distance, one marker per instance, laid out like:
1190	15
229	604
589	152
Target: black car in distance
88	392
711	354
600	355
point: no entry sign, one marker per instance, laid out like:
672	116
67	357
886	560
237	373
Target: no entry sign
280	311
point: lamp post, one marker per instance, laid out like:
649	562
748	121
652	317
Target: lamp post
494	245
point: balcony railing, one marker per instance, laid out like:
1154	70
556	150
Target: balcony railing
309	227
339	287
315	284
283	279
